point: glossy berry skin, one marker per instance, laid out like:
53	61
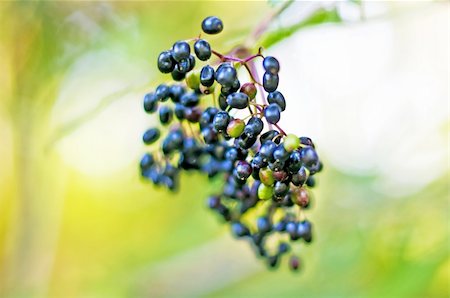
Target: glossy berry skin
165	115
267	149
305	141
151	136
192	114
246	141
280	153
280	189
175	92
183	66
221	120
243	170
254	127
226	75
150	102
299	178
229	89
180	51
191	62
271	65
268	136
179	111
294	162
309	156
272	113
222	102
238	100
278	98
189	99
177	75
209	135
207	76
165	62
202	49
270	82
212	25
162	92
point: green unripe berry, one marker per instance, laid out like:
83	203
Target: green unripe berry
291	142
235	128
266	176
249	89
193	80
207	90
265	192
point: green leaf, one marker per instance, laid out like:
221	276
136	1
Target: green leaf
318	17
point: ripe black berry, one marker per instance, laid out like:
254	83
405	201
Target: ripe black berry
202	49
165	115
254	127
270	82
175	92
278	98
271	65
309	156
238	100
226	75
150	102
180	51
212	25
272	113
151	136
207	76
162	92
165	62
177	75
221	120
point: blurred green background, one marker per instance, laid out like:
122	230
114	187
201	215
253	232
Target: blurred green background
77	221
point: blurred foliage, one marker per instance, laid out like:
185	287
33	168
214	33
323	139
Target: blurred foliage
65	233
317	17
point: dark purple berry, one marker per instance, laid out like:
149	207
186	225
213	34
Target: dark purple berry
207	76
270	82
272	113
166	62
278	98
151	136
238	100
212	25
165	115
180	51
202	49
271	65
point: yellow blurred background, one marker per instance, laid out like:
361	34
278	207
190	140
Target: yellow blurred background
76	220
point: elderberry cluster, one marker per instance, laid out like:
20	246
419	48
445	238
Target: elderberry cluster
266	172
